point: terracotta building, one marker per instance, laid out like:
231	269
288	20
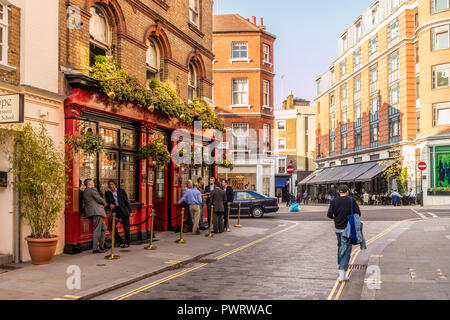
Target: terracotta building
388	91
168	40
295	141
243	73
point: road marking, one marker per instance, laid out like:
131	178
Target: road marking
60	299
356	252
433	215
419	214
72	297
179	274
155	283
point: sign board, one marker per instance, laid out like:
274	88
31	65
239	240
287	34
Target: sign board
290	169
11	108
422	166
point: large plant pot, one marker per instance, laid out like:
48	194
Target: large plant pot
42	250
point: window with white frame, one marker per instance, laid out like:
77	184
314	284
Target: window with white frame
373	79
394	60
373	47
3	34
439	5
394	100
441	114
441	76
332	76
358	27
394	4
281	144
282	165
266	53
239	50
266	92
240	91
194	12
393	33
344	42
153	61
357	59
240	136
357	88
281	125
374	15
100	32
343	68
440	38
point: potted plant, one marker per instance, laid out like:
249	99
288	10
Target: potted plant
38	168
157	151
86	141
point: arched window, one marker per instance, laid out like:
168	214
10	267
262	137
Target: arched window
100	33
192	82
153	61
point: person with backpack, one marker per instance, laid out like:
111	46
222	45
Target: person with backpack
346	215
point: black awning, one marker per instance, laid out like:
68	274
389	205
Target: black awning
374	171
310	177
357	170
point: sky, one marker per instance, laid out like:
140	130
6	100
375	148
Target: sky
307	37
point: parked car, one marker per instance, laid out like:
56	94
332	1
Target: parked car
253	204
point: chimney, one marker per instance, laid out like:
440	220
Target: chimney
254	20
261	22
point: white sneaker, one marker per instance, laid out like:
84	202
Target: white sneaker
342	276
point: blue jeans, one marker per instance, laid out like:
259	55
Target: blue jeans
344	261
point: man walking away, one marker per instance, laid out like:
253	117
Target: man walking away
230	197
208	189
305	198
339	210
95	210
118	202
218	199
193	198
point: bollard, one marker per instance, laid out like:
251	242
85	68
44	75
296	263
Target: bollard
239	217
113	235
210	235
228	220
181	241
151	246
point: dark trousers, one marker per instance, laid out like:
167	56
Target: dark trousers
189	223
225	217
218	222
126	227
209	214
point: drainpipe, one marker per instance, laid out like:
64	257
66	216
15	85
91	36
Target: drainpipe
17	212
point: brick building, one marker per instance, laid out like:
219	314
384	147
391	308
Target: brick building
29	92
243	73
388	91
295	141
168	40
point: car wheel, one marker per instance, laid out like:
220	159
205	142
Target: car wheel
257	212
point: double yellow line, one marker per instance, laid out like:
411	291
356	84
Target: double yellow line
355	254
181	273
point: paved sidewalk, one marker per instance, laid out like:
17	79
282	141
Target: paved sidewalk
99	275
415	265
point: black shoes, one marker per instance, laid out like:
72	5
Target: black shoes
125	245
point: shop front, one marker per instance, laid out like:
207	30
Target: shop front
124	128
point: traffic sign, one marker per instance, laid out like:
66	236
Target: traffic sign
290	170
422	166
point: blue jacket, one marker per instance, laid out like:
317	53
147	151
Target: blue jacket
358	236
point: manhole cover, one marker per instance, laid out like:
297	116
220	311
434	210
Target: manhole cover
357	266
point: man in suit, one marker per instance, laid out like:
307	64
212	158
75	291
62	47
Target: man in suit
218	198
117	201
95	210
229	200
208	189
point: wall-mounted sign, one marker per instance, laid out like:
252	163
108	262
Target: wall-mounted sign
11	108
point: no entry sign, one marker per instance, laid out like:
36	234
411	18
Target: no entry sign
422	166
290	170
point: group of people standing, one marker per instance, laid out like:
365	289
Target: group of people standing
217	197
94	205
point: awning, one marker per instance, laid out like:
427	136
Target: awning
310	177
321	178
357	170
281	182
374	171
340	173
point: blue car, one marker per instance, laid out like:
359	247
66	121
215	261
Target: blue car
253	204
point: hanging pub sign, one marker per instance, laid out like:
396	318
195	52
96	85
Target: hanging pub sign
11	108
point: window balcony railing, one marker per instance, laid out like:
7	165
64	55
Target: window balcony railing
373	87
344	127
358	147
394	76
394	139
357	95
358	123
374	144
374	117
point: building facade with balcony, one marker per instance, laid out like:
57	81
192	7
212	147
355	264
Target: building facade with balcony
387	92
295	141
243	74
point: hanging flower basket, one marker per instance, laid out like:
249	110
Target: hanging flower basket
157	151
87	141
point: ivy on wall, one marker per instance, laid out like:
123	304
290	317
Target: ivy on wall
115	82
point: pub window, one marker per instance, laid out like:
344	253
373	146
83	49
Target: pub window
100	33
